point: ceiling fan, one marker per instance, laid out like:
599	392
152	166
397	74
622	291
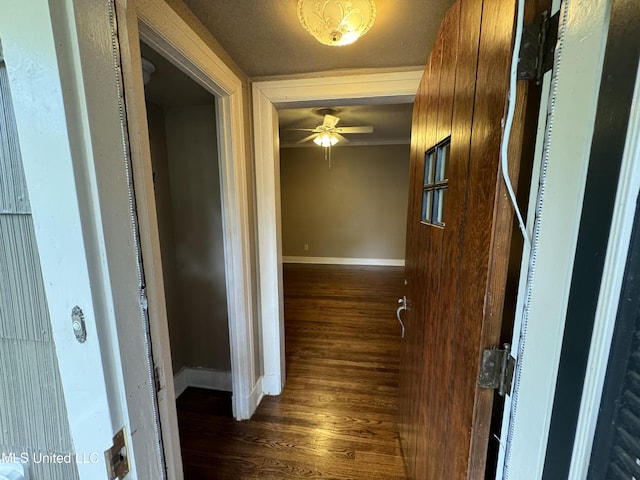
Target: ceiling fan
328	133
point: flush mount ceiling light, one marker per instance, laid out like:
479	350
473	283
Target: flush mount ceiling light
336	22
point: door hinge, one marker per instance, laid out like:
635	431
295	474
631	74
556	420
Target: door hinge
537	48
117	457
496	370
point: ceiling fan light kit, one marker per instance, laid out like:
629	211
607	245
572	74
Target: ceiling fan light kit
326	140
336	22
328	133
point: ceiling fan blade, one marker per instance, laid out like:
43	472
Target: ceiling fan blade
306	139
301	130
365	129
330	121
341	138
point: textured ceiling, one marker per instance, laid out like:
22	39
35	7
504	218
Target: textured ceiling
265	38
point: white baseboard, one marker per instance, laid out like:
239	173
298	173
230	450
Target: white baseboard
390	262
201	378
216	380
181	381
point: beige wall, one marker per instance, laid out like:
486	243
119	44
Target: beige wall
196	25
190	223
164	209
355	209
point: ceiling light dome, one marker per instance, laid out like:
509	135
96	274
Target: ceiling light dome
336	22
147	70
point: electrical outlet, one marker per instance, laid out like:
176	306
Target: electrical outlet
306	246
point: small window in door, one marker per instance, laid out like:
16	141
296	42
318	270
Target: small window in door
435	183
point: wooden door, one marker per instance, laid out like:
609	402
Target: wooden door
458	236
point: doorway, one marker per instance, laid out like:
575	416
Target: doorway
377	88
160	28
183	140
346	203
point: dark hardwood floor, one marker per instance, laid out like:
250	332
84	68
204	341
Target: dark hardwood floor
337	416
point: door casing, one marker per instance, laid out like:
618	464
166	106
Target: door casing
161	28
582	39
370	88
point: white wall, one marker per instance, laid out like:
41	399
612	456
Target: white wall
29	374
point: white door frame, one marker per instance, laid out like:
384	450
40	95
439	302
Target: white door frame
160	27
567	135
381	88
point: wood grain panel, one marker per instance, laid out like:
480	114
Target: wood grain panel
438	335
457	275
423	135
412	343
494	299
489	106
501	260
449	31
338	414
425	290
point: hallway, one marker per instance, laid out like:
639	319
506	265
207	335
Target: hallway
337	415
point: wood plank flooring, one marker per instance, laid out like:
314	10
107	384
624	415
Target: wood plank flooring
337	416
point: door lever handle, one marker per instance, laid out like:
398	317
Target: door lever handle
403	306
